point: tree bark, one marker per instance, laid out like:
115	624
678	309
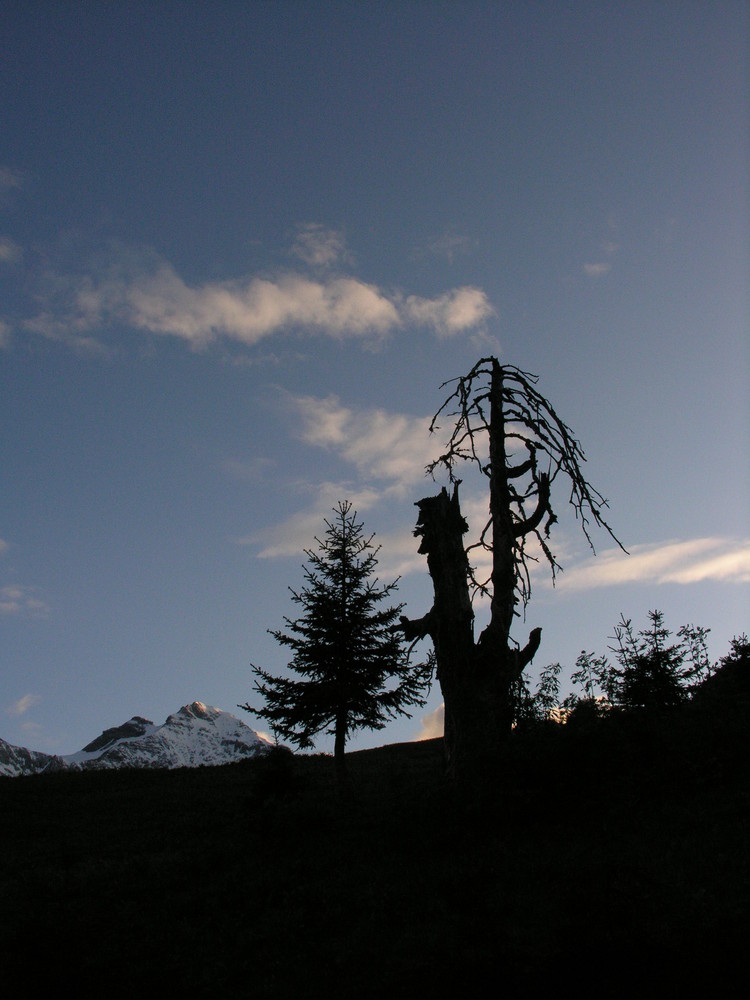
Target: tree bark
339	758
475	679
500	405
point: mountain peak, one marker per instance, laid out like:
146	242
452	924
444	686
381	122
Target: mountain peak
196	735
134	727
198	710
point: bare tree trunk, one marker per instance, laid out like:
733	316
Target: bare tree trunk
498	405
471	730
339	757
475	679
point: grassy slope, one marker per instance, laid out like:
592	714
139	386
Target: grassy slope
610	853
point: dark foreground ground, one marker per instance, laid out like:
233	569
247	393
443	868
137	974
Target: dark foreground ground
611	857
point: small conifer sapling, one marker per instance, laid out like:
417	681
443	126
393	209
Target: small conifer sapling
348	653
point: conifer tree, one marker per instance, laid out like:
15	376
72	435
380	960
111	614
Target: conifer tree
654	674
346	647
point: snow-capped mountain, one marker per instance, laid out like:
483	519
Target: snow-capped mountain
19	760
194	736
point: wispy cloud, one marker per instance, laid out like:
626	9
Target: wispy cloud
23	705
454	312
448	246
318	246
297	533
145	292
597	270
725	560
254	470
10	179
65	332
607	250
387	452
382	445
10	252
16	599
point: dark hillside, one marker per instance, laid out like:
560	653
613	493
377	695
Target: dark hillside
613	854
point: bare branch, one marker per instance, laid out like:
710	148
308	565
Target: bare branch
528	418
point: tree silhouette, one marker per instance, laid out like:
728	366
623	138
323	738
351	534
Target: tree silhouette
346	646
496	412
654	673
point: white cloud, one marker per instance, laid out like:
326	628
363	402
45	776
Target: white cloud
250	311
448	246
3	546
727	567
724	560
389	452
597	270
22	706
609	247
399	555
454	312
145	292
297	533
382	445
16	599
51	328
432	725
318	246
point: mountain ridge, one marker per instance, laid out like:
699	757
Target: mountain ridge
196	735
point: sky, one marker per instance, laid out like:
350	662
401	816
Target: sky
242	246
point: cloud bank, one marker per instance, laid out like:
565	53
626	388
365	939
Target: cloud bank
145	292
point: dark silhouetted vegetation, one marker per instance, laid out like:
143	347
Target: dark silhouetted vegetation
650	673
609	856
502	426
354	668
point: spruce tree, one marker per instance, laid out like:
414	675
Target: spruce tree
350	656
653	674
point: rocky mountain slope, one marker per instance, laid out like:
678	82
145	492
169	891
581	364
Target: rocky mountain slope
195	736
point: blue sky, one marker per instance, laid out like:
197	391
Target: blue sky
241	247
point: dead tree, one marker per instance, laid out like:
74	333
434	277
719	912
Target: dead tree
507	429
